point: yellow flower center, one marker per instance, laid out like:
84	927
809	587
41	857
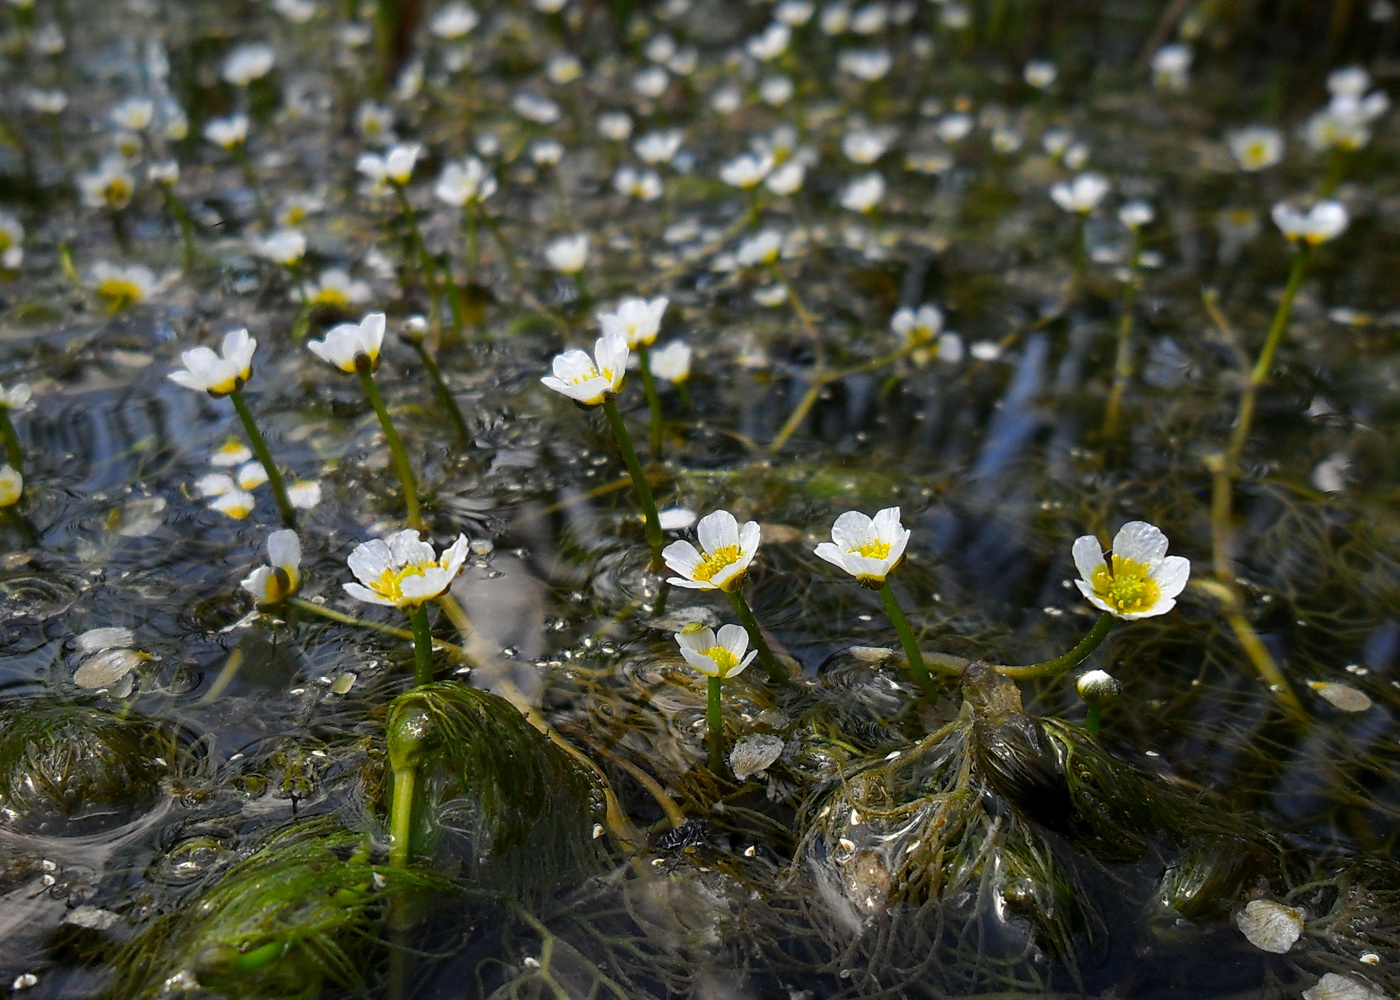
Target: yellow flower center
873	550
117	192
715	561
331	297
1255	153
725	661
1128	588
592	373
282	583
390	583
119	293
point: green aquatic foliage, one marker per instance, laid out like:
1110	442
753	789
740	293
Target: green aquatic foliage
512	809
71	769
299	915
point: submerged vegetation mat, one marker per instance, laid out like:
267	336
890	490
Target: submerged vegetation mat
586	499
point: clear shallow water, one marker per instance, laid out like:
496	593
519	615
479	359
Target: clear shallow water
220	827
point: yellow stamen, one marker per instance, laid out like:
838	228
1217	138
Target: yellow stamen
872	550
331	297
390	583
725	661
119	294
1127	588
721	557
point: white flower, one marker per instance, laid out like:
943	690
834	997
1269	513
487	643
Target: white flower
375	123
394	167
864	146
134	113
455	20
217	374
794	12
546	152
863	193
776	90
467	182
562	68
865	547
46	102
726	99
402	570
762	248
723	558
11	485
1255	147
533	107
237	504
787	179
721	655
304	493
109	186
868	65
650	82
336	289
955	128
1040	73
1136	214
251	475
746	170
1349	81
772	43
672	362
1144	580
16	397
1171	67
226	132
644	185
636	320
231	452
352	346
771	296
1320	223
1082	195
285	246
11	242
917	327
568	255
656	148
615	125
122	287
591	381
166	173
275	582
248	63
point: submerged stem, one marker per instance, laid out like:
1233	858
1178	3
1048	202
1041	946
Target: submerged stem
714	717
422	646
653	400
750	623
906	639
259	446
639	480
391	436
401	817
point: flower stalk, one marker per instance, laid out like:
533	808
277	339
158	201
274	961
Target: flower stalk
422	646
653	400
1065	661
714	719
396	448
14	454
444	393
425	259
766	659
906	639
655	540
1123	359
264	456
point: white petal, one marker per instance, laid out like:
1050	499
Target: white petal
677	581
743	664
734	638
700	662
284	548
682	557
366	595
1141	542
1088	557
409	549
429	584
853	530
1172	575
454	555
716	530
700	639
749	535
370	559
832	553
255	583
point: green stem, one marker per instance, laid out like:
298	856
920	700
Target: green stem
1091	720
391	437
240	153
906	639
507	251
259	446
425	259
473	244
401	817
653	400
766	658
422	646
14	454
1081	256
400	633
1068	661
1260	374
1123	360
715	719
639	480
182	218
443	392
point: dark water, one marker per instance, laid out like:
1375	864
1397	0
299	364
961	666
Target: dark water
200	805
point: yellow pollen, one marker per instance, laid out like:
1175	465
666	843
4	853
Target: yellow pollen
119	293
724	659
390	583
872	550
721	557
331	297
590	374
1128	588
